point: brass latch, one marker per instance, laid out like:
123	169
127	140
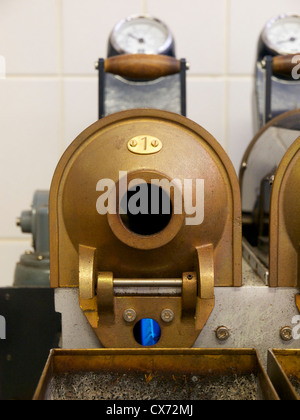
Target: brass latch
298	302
180	306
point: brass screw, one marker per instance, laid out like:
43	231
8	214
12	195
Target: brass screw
286	334
222	333
133	143
155	143
129	315
167	315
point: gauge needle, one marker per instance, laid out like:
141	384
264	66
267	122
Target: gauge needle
292	39
140	40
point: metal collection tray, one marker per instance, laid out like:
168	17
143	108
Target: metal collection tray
156	374
284	372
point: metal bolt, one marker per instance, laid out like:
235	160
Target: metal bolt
190	277
129	315
244	165
167	315
18	221
40	257
286	334
222	333
272	179
133	143
96	65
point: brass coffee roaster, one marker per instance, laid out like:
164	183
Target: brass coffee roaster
168	273
125	269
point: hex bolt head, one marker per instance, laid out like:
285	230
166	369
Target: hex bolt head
286	334
129	315
167	315
222	333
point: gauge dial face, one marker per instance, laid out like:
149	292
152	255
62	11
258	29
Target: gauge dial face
141	35
282	35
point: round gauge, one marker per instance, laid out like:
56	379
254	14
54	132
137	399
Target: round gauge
141	35
282	35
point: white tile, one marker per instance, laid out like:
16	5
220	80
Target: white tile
199	31
86	28
247	20
29	36
80	106
10	253
29	130
240	122
205	105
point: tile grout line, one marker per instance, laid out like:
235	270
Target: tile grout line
144	7
14	240
60	75
92	76
227	75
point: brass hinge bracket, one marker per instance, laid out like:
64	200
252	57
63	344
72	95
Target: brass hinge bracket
181	306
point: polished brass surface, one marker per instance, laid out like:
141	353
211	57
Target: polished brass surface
207	363
87	272
283	367
90	250
298	302
284	221
144	145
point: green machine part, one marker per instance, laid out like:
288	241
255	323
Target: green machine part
33	269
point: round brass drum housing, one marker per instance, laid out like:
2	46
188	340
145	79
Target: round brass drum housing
194	164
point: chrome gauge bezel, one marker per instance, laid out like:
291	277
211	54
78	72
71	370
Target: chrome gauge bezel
164	48
265	34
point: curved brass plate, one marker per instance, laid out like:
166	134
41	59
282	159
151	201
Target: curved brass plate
285	221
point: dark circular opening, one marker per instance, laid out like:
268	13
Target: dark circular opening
147	332
147	209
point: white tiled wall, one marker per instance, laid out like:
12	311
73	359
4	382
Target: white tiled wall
49	94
